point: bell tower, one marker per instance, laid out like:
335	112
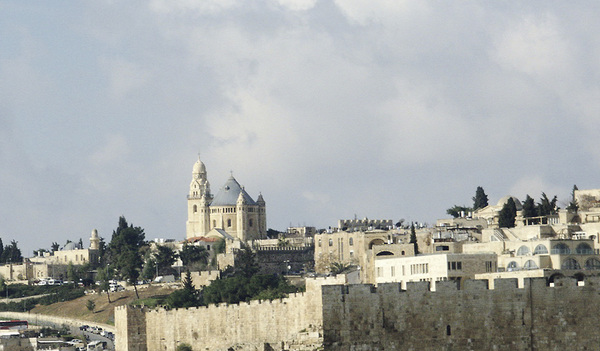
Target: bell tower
199	197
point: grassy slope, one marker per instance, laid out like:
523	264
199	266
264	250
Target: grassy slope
104	311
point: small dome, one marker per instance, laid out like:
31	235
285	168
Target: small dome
504	200
70	246
199	167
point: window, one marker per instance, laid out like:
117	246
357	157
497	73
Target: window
512	266
379	271
195	208
214	223
570	263
561	249
229	222
584	249
442	248
393	271
530	264
592	263
250	222
351	241
319	242
523	251
489	266
330	242
540	250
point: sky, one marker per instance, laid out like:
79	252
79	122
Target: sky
330	109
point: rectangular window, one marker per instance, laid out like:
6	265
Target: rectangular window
393	271
459	266
453	266
379	271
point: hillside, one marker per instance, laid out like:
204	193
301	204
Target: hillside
104	311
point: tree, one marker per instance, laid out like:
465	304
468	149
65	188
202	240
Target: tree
245	261
164	257
457	211
55	246
413	238
508	214
72	273
125	254
186	297
480	200
546	206
220	246
338	267
529	208
12	253
103	276
191	254
573	205
80	244
90	305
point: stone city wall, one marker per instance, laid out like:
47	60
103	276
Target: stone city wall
365	317
293	323
536	317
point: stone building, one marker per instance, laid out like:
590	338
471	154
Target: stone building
231	209
433	267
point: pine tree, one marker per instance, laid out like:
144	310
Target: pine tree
573	205
508	214
413	238
480	200
529	208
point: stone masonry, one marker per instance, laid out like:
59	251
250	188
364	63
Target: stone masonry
364	317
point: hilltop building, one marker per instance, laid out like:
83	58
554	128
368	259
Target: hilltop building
231	213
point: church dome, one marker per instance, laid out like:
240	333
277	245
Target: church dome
230	192
199	167
504	200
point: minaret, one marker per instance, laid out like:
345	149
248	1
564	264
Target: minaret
242	216
94	240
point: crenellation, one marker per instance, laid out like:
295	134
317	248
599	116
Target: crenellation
417	287
506	284
446	286
471	285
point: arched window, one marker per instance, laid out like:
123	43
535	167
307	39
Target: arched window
584	249
319	242
592	263
250	222
530	264
351	241
561	249
330	242
384	253
195	208
523	250
229	222
512	266
570	263
540	250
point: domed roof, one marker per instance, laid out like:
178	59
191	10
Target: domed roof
504	200
199	167
70	246
229	193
